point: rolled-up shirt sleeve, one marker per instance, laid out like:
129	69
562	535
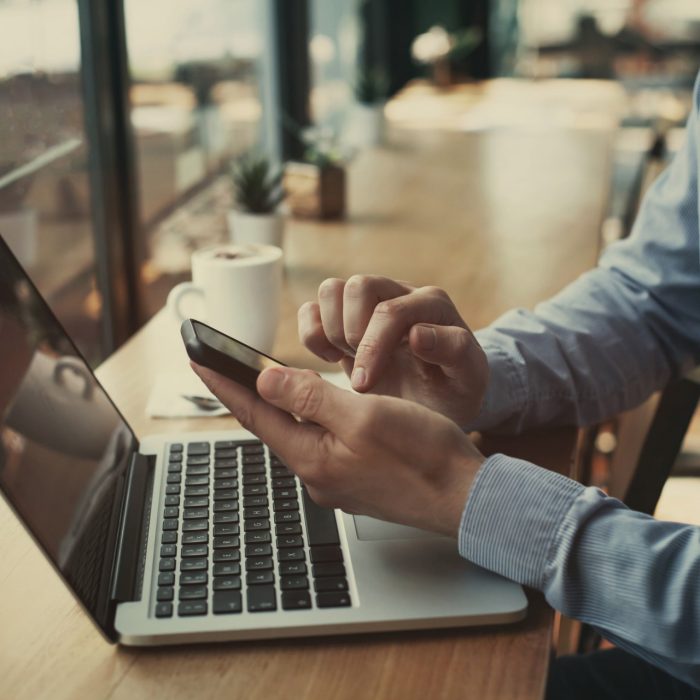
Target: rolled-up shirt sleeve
636	579
619	332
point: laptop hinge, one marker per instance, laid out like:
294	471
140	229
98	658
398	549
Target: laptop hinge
132	525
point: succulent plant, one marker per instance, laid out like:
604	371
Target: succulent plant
257	188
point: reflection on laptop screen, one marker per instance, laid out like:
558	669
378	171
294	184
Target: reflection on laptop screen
63	444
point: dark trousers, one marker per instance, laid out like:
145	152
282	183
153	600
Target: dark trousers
613	674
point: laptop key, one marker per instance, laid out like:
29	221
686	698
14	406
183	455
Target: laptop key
196	480
176	447
225	494
225	473
287	516
169	537
164	610
201	537
227	542
193	593
199	470
171	512
258	550
290	583
255	490
192	607
288	529
286	505
333	600
225	506
291	554
168	550
225	444
257	512
249	479
165	594
170	524
259	578
290	541
253	469
174	478
227	602
227	569
261	599
328	569
196	502
174	468
254	501
280	472
194	565
172	500
194	550
220	484
258	564
226	529
284	494
196	491
167	578
326	553
292	568
226	555
256	525
229	517
320	522
195	513
198	461
172	490
296	600
227	583
331	583
226	454
283	483
198	448
194	525
225	464
194	578
166	565
257	536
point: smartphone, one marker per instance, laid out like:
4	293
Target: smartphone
224	354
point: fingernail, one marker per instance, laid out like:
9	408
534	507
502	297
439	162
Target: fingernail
358	377
272	383
426	337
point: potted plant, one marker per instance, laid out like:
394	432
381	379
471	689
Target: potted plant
257	192
366	124
18	223
315	188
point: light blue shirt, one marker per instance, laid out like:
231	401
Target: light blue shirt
601	346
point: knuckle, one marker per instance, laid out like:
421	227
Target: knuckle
357	285
436	292
390	308
307	400
368	348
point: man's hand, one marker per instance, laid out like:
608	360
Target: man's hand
371	455
398	340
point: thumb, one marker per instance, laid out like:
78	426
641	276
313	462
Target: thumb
450	347
305	394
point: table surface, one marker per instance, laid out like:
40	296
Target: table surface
497	219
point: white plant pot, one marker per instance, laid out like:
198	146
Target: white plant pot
366	125
19	229
263	229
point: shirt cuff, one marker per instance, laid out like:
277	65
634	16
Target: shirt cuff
506	394
512	516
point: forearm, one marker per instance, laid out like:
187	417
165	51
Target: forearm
636	579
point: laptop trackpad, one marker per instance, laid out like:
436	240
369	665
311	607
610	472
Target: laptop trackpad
372	529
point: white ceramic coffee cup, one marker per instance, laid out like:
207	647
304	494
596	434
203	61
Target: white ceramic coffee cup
239	288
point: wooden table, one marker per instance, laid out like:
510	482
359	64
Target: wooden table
497	219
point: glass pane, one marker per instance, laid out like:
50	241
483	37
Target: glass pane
45	214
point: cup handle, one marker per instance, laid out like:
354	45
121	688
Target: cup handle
177	294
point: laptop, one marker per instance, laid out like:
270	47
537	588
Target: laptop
200	537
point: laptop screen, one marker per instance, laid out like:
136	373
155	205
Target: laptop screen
63	445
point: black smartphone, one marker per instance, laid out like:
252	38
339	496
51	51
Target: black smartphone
224	354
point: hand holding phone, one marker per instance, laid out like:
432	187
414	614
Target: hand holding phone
230	357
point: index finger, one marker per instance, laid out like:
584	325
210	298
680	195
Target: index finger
389	325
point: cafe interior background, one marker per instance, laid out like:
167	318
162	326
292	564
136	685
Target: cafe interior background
120	122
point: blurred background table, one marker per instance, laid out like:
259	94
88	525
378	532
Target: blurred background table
495	204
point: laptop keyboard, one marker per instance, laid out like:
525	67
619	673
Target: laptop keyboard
233	536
